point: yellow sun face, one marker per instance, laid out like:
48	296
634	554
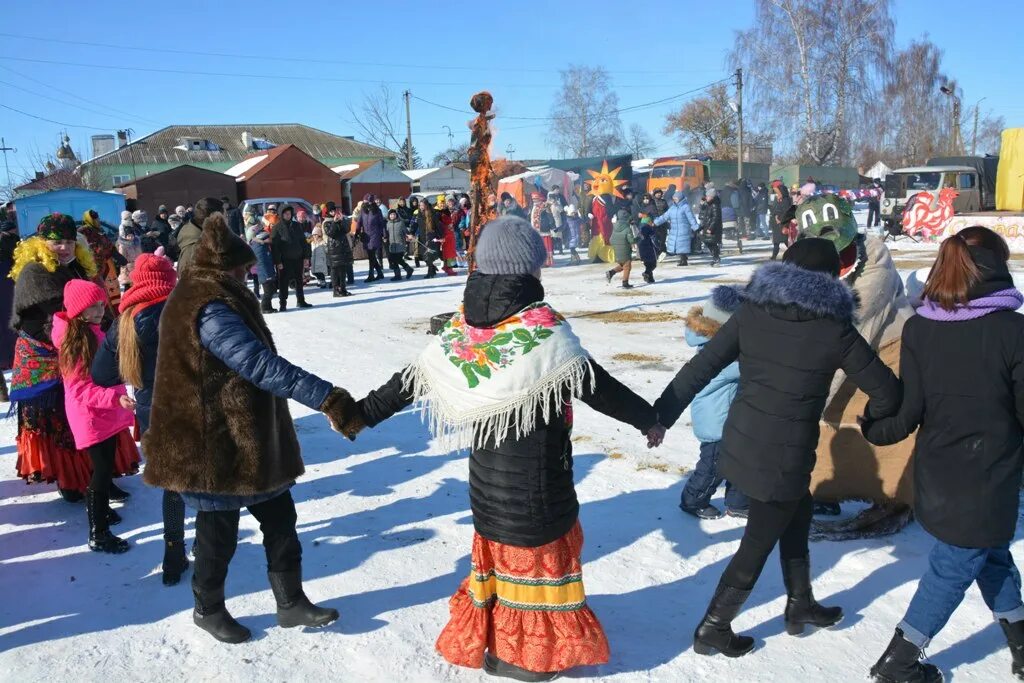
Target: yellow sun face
606	182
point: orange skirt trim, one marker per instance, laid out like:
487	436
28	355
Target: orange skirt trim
526	606
40	459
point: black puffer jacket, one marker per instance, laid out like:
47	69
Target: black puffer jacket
964	388
783	211
288	242
791	334
339	250
521	490
710	218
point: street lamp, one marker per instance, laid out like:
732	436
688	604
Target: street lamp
958	143
451	137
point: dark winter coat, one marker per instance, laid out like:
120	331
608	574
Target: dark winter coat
261	246
288	242
710	218
660	206
646	247
212	430
783	211
371	224
791	334
163	228
233	216
339	249
963	391
521	490
105	369
186	241
761	200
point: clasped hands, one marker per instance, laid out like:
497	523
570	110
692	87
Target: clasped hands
656	435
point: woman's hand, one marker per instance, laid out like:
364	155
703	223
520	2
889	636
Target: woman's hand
127	402
656	435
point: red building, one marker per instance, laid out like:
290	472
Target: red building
285	171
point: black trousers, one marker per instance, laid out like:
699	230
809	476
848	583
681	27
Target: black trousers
102	456
776	243
786	523
291	271
269	290
376	264
217	538
341	273
874	215
397	263
174	517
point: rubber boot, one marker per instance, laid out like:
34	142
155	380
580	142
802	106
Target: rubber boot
900	663
212	616
175	562
801	607
293	607
100	538
496	667
714	633
1015	639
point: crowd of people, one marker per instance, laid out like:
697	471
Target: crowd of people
210	403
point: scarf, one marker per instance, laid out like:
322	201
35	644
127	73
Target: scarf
36	368
480	385
148	293
1003	300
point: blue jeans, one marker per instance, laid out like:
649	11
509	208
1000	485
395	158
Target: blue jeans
705	479
951	571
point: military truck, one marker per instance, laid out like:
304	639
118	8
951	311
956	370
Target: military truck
903	184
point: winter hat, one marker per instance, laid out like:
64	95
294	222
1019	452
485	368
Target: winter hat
126	216
510	246
162	209
180	210
80	295
91	218
392	211
711	193
815	254
57	227
221	249
808	189
140	217
153	278
709	317
505	195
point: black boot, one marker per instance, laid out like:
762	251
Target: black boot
609	275
408	272
305	304
175	562
117	493
213	617
900	663
1015	639
431	271
293	607
714	633
70	495
112	517
801	607
5	395
496	667
100	538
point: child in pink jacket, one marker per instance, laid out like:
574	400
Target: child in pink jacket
99	416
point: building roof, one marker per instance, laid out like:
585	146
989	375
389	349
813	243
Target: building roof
349	171
229	143
59	179
421	173
176	169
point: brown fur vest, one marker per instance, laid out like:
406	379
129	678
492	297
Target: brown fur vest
212	431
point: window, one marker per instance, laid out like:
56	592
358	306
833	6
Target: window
967	181
691	171
118	179
667	172
924	181
196	145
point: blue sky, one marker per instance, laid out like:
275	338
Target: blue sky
653	50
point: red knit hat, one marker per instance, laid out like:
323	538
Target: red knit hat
153	278
80	295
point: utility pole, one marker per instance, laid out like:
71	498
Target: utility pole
5	149
958	139
509	151
974	138
408	131
739	124
451	137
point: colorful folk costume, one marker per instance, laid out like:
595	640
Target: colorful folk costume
499	380
606	189
46	447
105	255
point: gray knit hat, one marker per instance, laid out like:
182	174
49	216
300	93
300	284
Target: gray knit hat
510	246
722	303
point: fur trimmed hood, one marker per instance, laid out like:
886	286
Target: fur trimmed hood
783	284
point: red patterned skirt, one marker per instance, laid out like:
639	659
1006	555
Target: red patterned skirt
46	451
526	606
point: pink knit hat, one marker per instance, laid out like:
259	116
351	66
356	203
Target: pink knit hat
80	295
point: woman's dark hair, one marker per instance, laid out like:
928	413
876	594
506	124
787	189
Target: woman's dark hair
955	273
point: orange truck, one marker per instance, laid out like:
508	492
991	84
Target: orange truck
675	171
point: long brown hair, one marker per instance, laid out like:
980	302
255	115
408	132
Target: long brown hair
129	354
78	347
955	273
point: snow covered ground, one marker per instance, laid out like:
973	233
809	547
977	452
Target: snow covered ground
386	531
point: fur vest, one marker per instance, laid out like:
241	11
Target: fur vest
212	431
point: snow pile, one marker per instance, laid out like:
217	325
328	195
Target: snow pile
386	530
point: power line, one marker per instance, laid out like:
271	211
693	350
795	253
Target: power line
76	96
43	118
313	60
65	102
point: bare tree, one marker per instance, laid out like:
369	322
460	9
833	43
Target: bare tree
585	114
457	154
813	66
990	133
706	125
378	119
638	142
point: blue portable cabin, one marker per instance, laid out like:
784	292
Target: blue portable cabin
73	202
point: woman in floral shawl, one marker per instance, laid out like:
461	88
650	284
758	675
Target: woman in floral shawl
499	380
46	449
105	254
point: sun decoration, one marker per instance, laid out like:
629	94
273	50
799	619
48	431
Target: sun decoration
606	182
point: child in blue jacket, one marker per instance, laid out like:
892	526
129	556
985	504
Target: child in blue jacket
709	410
